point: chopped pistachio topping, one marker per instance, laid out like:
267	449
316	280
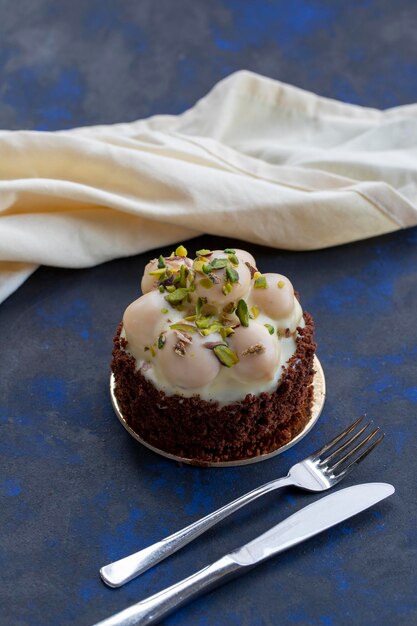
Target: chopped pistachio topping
181	251
252	269
203	252
183	276
170	288
161	288
258	348
198	266
161	262
233	259
177	296
164	310
161	341
159	273
215	327
226	356
260	283
213	344
191	318
256	274
280	284
179	348
270	328
217	264
199	304
226	331
232	274
184	327
229	308
243	313
205	283
204	322
255	311
229	251
227	288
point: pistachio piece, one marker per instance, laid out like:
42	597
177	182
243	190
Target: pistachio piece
218	264
270	328
199	266
177	296
179	348
258	348
159	273
233	259
252	269
255	311
229	308
161	341
232	275
260	283
164	310
183	327
213	328
203	322
226	356
161	288
203	252
213	344
229	251
243	313
227	288
181	251
226	331
183	276
161	262
280	284
199	304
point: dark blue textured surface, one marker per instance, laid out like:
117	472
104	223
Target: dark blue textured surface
76	490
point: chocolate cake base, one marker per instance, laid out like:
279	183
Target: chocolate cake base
202	430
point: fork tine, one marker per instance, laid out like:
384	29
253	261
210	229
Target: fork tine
343	446
358	446
338	437
364	454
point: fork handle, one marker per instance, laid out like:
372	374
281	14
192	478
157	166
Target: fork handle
120	572
159	605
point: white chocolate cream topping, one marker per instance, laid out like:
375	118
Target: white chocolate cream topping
213	326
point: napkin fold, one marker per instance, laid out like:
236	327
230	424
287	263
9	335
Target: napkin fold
255	159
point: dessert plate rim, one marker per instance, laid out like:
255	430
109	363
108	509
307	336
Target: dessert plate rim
319	396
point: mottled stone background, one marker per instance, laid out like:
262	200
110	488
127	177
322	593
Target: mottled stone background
76	491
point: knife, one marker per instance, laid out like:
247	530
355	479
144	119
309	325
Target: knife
306	523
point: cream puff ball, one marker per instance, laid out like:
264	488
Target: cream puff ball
204	288
149	282
143	320
277	299
257	350
186	362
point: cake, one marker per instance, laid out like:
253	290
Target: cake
214	362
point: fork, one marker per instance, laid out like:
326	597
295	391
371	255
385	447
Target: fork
320	471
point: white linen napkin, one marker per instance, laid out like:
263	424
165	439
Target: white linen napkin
255	159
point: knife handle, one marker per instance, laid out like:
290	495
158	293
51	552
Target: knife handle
120	572
159	605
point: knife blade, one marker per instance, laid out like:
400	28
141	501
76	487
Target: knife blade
305	523
311	520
